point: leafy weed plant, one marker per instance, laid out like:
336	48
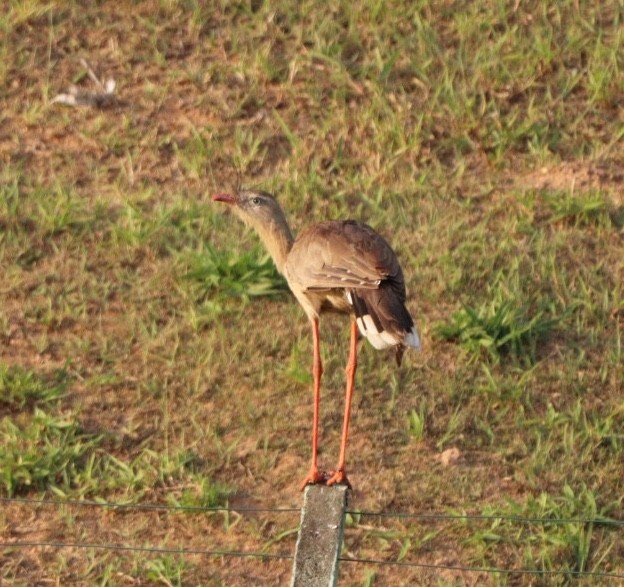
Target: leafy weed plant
45	451
586	209
498	329
20	387
227	274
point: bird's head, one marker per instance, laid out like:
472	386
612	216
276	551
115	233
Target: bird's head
253	207
262	212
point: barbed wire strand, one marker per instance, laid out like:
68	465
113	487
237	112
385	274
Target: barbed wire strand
492	570
151	549
143	506
233	553
506	517
435	517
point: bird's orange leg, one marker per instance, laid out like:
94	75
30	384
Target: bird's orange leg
340	475
315	476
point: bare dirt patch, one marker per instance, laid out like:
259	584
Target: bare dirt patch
576	176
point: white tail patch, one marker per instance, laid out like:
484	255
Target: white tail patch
383	340
380	340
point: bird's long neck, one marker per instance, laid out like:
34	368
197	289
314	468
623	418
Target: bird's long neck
277	238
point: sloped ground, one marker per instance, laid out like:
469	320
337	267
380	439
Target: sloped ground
138	363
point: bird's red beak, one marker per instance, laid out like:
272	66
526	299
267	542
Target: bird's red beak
226	198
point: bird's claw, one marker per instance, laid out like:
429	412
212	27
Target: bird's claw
314	477
338	477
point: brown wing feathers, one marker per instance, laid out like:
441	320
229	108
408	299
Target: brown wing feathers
351	257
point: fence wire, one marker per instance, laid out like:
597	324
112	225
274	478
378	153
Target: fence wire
143	506
604	521
488	517
285	556
150	549
491	570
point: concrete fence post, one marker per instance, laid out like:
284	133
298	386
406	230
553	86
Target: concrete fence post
320	536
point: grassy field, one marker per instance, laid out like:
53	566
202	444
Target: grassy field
149	352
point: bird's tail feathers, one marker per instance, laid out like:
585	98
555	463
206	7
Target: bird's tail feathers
383	319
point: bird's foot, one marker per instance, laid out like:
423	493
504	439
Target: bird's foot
314	477
338	477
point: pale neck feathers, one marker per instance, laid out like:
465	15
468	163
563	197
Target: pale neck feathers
275	234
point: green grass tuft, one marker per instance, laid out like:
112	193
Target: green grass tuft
21	387
497	330
224	274
45	452
587	209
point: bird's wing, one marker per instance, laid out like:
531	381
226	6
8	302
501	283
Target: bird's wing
341	254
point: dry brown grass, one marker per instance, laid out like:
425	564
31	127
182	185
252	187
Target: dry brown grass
483	143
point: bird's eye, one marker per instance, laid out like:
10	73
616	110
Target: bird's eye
255	201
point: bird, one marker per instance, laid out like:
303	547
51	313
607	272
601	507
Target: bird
335	265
